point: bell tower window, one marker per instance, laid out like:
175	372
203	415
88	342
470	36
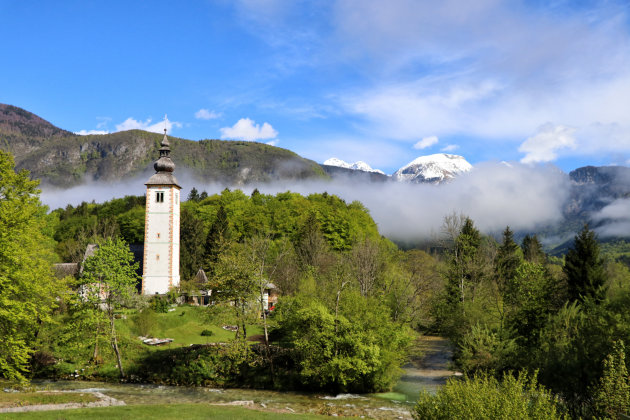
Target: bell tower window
159	197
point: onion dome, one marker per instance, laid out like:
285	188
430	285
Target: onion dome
164	163
164	166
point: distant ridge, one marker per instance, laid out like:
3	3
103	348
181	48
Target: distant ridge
61	158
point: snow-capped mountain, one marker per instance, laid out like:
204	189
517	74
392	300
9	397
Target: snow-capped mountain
359	166
433	168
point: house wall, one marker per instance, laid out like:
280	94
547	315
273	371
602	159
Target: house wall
161	240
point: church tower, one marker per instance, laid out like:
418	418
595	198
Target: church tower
161	227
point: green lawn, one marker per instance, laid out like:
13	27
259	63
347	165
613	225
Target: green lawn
185	324
19	399
162	411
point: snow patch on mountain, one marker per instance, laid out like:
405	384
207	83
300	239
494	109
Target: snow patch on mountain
359	166
433	168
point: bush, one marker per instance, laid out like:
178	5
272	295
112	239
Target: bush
206	333
484	397
159	304
612	395
145	322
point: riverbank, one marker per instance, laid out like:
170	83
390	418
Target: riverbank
428	370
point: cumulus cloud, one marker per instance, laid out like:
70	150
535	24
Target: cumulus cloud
426	142
90	132
205	114
133	124
544	145
449	148
492	70
247	129
273	142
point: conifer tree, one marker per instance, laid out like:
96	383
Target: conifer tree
193	195
533	250
463	270
192	244
506	264
584	268
217	240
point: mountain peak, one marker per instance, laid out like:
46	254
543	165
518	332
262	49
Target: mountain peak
433	168
359	165
16	120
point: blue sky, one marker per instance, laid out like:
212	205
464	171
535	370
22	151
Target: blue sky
378	81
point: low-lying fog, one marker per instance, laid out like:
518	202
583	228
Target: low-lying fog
494	195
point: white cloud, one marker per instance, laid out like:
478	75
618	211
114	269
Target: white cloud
449	148
204	114
90	132
133	124
543	146
614	218
273	142
492	70
247	129
426	142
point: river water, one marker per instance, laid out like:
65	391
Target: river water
426	373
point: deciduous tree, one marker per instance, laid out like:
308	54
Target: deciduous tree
27	288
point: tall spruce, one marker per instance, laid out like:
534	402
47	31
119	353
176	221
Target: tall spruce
192	244
506	264
584	268
193	195
217	240
533	250
463	271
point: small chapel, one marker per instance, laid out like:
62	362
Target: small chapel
161	229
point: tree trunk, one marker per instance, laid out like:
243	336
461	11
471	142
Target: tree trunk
95	353
267	347
243	320
115	346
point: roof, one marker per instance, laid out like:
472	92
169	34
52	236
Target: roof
66	269
201	276
163	178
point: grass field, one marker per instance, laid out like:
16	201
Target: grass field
20	399
185	324
162	411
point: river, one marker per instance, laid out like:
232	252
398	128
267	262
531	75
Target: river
423	373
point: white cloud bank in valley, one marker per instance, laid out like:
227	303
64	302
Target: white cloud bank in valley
493	195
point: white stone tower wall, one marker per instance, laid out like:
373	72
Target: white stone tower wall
161	240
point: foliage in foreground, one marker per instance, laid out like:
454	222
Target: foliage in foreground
485	397
27	288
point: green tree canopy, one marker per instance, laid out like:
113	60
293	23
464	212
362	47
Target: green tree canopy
27	288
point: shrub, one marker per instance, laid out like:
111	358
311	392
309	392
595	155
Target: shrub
612	396
159	304
145	322
484	397
206	333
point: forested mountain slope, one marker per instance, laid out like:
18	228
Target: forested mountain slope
61	158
